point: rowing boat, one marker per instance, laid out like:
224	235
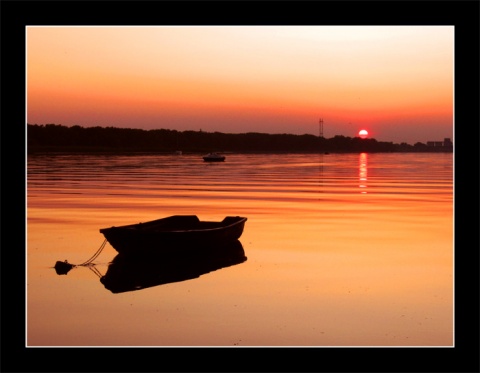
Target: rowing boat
173	233
213	157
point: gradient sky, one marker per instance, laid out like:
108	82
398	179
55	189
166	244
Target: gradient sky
395	81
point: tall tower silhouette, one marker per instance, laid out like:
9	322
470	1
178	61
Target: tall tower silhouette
320	128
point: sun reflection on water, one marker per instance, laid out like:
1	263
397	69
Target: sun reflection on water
363	172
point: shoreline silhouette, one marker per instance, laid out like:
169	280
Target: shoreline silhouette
60	138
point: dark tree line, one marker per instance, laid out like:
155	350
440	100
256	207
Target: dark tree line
55	137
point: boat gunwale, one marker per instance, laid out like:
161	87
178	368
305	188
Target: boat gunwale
137	227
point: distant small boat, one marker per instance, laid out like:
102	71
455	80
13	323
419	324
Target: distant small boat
173	234
213	157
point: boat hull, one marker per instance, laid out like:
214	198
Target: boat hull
206	159
173	234
214	157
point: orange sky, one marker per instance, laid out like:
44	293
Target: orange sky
396	82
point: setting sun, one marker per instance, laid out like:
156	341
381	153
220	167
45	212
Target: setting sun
363	134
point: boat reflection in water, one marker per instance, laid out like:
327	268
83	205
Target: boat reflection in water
133	272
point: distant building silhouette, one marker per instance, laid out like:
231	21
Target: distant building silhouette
447	142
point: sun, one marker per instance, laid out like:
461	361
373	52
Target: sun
363	134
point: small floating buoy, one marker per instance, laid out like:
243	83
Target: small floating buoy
62	268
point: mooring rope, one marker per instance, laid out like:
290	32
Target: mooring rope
94	255
62	268
95	270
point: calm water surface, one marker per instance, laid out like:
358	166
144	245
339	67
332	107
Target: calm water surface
342	250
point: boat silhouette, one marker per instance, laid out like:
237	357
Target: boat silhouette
135	272
173	233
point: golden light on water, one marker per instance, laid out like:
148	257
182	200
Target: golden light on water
328	264
363	173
